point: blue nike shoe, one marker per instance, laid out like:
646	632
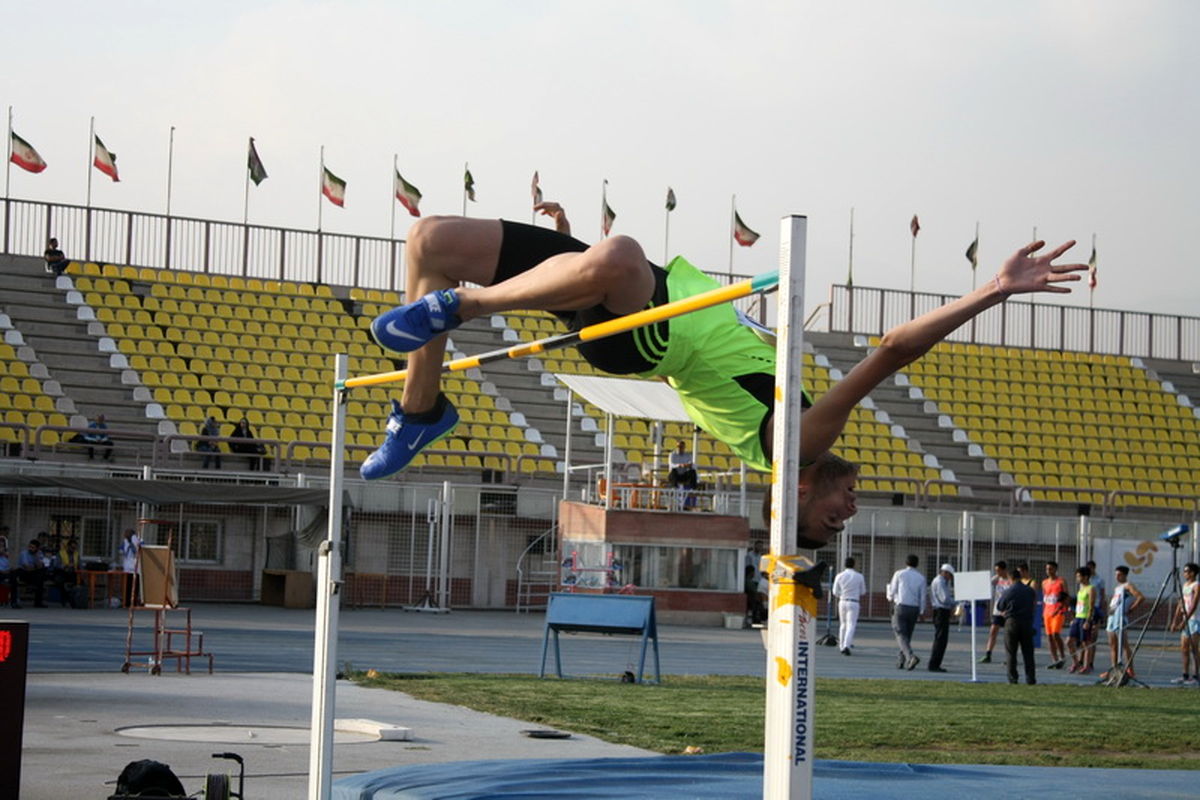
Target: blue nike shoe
407	435
406	328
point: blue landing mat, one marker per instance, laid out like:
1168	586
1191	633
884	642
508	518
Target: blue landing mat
734	776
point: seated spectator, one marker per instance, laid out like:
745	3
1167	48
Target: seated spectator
96	437
211	450
254	449
65	572
31	571
56	262
8	576
683	470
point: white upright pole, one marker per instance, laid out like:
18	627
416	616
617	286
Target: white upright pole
608	462
791	625
443	600
329	579
567	444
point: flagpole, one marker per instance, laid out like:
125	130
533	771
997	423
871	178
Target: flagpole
912	268
91	157
395	171
320	190
170	166
850	271
732	228
667	238
8	164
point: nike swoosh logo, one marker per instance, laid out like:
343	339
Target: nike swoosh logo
417	442
394	331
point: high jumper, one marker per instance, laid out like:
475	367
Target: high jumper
723	372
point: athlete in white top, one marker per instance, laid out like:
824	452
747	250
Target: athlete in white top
1187	623
848	587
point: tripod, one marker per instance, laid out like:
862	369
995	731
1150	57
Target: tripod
1118	676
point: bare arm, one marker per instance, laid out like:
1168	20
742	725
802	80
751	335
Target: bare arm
555	212
1023	272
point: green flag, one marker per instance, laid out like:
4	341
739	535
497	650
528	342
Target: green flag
972	253
258	173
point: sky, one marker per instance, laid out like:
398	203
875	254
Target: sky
1074	117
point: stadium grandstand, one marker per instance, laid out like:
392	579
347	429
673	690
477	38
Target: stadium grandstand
1034	431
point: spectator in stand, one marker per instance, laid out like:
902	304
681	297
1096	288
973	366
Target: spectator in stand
683	468
211	450
1125	598
1017	605
1081	625
8	575
906	592
1001	580
56	261
31	570
131	543
848	587
66	569
97	437
249	447
1056	606
941	598
1187	622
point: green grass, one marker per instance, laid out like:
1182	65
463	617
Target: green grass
861	720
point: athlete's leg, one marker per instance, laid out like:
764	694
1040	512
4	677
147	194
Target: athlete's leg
441	252
445	251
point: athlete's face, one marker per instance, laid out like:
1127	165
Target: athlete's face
824	515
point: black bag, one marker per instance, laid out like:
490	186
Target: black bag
77	597
148	779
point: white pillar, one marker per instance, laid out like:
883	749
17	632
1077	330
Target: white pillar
329	579
791	626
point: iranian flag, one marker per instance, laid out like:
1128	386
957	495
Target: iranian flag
104	160
24	156
1092	268
741	233
333	187
469	184
408	195
670	199
536	189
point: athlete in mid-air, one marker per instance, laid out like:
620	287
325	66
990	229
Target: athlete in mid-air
723	372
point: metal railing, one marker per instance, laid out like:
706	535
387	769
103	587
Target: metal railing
138	239
157	241
1018	323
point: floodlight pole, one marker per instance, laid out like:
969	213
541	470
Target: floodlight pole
329	579
791	624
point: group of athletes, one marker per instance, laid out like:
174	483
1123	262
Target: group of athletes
1090	608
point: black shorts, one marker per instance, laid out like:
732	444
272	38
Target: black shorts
525	246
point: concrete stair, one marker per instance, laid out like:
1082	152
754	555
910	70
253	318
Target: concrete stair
67	347
928	432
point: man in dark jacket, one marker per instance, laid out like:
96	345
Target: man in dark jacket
1016	605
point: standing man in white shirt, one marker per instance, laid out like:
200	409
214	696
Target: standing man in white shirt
941	599
848	587
906	592
131	543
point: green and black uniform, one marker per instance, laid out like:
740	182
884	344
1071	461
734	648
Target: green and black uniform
724	374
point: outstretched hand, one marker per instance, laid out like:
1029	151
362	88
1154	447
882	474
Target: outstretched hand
1025	271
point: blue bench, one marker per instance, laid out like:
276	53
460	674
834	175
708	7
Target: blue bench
630	615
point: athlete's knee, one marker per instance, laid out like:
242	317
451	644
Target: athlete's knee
616	261
430	237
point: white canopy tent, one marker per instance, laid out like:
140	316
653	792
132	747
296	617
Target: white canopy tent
625	397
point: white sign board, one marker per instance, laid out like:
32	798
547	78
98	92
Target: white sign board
973	585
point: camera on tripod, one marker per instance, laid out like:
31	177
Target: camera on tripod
1173	536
